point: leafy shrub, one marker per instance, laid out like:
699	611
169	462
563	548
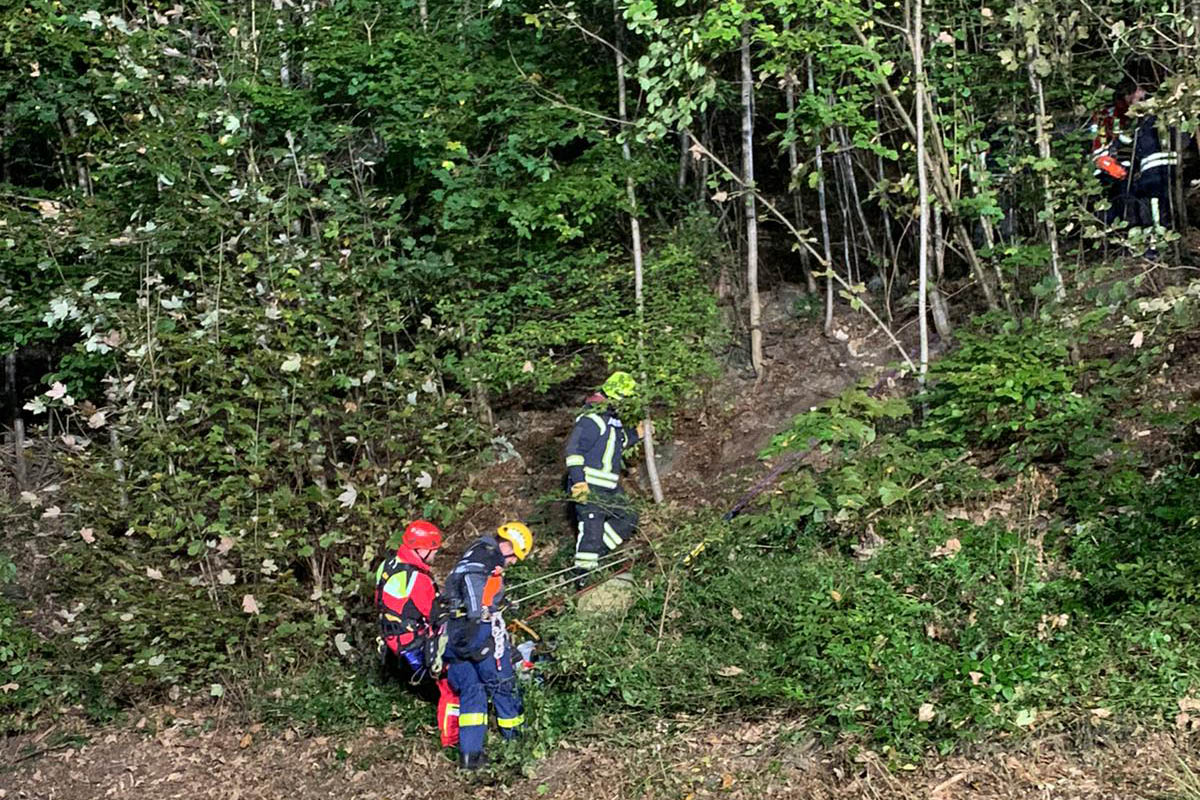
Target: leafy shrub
25	682
1015	389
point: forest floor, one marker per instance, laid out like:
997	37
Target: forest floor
187	753
709	457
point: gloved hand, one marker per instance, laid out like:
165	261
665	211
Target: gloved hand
414	659
641	429
579	491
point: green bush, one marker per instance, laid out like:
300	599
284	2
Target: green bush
1015	389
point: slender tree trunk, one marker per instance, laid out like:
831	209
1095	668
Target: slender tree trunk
889	243
848	256
18	422
681	180
793	165
285	70
916	41
83	175
423	14
824	216
937	302
1043	140
635	229
756	345
858	207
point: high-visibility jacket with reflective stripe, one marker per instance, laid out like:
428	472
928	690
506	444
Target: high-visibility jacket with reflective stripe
1153	151
595	446
404	595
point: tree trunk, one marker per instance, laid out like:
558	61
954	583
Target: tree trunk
1043	140
793	165
635	229
18	422
891	255
839	167
828	247
756	346
681	180
862	217
285	71
937	302
915	40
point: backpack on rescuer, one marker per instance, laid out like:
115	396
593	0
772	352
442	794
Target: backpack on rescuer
405	590
408	622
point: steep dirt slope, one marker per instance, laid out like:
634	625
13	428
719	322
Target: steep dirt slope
709	457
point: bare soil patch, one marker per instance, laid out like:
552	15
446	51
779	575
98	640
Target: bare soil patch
771	756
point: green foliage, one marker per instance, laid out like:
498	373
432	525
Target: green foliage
847	421
863	595
274	313
26	683
1014	389
917	648
335	696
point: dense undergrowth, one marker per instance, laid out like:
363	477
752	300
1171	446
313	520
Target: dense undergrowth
1014	551
1021	555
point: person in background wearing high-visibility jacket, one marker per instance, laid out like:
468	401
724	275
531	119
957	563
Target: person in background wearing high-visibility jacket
1112	132
1155	163
404	595
478	651
604	517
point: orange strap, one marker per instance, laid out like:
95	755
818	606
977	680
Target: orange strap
495	583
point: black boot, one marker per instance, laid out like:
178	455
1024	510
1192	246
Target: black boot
580	578
472	761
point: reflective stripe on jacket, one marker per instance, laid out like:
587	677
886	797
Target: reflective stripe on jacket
595	447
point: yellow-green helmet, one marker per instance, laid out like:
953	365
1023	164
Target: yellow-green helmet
619	386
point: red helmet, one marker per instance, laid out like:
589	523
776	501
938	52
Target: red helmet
422	535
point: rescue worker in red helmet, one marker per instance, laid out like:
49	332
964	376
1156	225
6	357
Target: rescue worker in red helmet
479	653
404	595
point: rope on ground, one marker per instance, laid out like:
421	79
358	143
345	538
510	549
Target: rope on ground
563	583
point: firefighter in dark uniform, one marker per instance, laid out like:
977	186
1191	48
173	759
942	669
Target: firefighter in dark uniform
478	652
604	517
1155	164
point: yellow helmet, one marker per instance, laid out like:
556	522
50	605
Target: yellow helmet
519	536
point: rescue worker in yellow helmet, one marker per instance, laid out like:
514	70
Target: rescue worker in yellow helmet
479	652
604	517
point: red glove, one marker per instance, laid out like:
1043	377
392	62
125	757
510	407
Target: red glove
1112	167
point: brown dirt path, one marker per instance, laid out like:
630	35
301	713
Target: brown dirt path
681	758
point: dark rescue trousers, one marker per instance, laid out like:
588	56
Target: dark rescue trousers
604	523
